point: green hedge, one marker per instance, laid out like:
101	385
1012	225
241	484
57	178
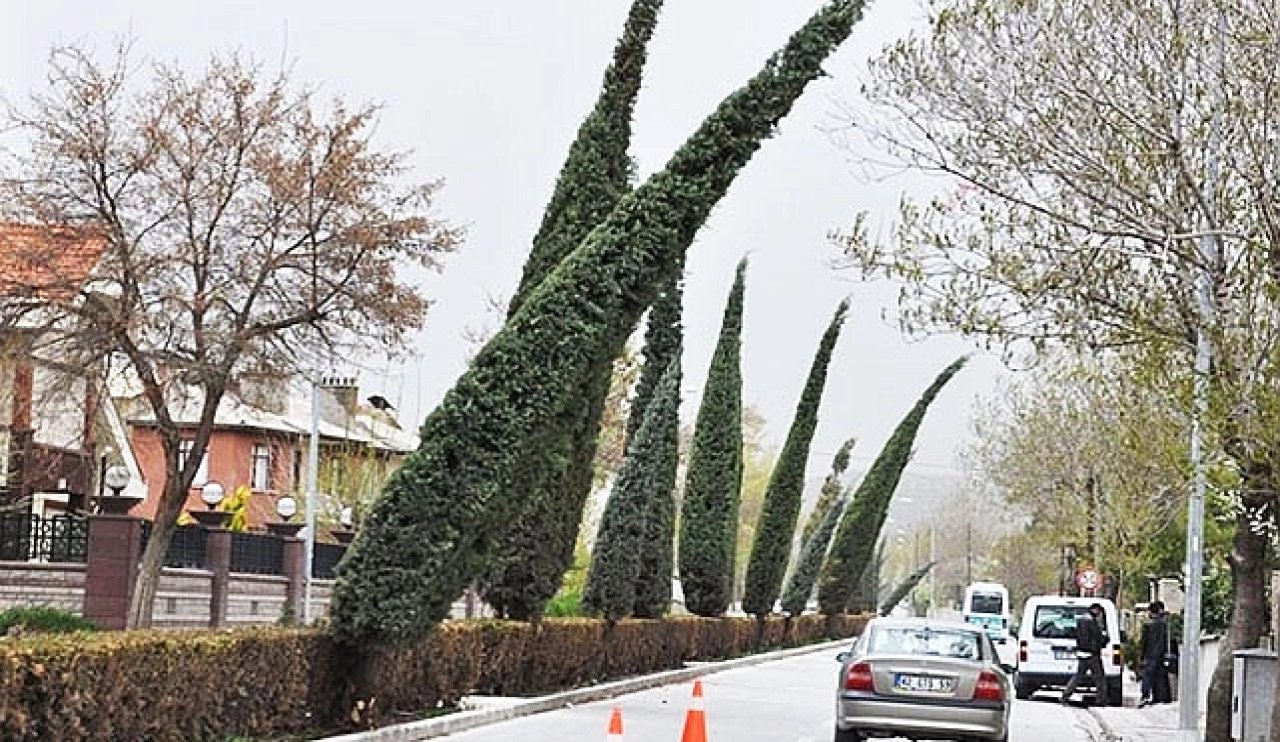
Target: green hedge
167	686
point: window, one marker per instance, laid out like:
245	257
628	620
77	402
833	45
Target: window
926	641
185	446
987	603
261	477
1059	621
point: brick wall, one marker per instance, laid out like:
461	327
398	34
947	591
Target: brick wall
255	599
182	599
57	585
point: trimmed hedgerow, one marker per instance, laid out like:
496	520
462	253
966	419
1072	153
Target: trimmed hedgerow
713	482
432	530
646	479
554	471
276	682
859	528
776	529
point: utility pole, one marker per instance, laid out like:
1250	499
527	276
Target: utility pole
933	574
968	553
1210	249
313	473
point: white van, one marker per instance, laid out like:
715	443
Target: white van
986	604
1047	645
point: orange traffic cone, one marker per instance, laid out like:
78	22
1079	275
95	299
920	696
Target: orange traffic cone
695	722
615	726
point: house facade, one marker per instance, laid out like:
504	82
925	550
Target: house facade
260	440
51	432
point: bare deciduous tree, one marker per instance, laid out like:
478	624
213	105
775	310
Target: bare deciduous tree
251	229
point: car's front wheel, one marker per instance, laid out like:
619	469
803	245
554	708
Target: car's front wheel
848	735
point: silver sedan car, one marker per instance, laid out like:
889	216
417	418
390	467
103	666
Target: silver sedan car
922	679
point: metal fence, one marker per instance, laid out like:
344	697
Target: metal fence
65	538
188	548
55	538
255	553
325	558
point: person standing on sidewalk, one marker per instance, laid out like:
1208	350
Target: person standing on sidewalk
1154	647
1089	644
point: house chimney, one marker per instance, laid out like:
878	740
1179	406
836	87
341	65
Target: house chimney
345	390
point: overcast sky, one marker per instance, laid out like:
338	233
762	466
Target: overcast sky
489	95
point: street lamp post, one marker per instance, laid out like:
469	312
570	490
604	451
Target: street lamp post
286	508
212	494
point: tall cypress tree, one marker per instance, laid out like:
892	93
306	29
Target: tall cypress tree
904	589
662	347
866	596
832	490
713	482
777	528
645	479
662	340
813	550
431	531
855	539
554	473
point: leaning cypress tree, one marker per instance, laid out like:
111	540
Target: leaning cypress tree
798	587
855	539
431	530
646	478
554	473
832	490
904	589
662	340
777	526
866	595
713	482
814	549
662	346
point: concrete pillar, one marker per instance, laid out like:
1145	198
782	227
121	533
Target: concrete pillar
295	571
218	561
115	546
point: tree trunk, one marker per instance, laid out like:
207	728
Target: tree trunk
1248	568
142	602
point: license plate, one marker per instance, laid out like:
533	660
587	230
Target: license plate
1064	654
922	684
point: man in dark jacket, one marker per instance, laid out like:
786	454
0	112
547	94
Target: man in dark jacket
1155	645
1089	644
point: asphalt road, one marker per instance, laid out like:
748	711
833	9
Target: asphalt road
790	700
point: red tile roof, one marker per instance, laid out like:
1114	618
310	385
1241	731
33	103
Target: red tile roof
46	262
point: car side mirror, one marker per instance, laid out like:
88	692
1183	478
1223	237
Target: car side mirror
1008	668
842	657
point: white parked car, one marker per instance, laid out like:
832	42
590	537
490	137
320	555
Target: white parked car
1047	645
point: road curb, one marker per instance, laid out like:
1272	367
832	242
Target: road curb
1100	730
463	720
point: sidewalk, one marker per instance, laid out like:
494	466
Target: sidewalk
1151	724
1158	723
482	711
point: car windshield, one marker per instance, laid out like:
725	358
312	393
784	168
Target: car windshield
1059	621
986	603
926	641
